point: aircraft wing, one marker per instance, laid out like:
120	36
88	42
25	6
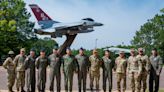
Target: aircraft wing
68	25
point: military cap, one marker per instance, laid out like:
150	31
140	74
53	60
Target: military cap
10	52
42	50
121	52
68	48
95	51
107	50
132	50
155	49
22	49
56	47
81	48
140	49
32	49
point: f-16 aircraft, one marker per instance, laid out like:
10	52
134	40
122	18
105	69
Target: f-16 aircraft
58	29
117	50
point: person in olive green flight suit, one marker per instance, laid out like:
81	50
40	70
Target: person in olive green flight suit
95	64
41	64
83	63
69	66
30	71
20	70
107	65
9	65
120	68
54	63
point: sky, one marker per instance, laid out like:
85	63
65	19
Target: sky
121	18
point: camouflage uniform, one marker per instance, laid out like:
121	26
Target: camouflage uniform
120	65
133	69
83	64
95	64
9	65
144	66
20	71
41	64
69	66
54	63
30	73
107	72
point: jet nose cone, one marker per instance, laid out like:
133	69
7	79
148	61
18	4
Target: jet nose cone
98	24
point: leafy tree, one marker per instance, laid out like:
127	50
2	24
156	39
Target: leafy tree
151	34
15	27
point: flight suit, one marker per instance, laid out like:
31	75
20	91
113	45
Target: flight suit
9	65
20	71
30	73
83	63
95	64
155	70
133	71
69	66
54	63
120	66
107	72
144	67
41	64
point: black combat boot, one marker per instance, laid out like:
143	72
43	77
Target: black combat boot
22	90
10	89
17	89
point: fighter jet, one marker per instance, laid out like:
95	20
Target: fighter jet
58	29
117	50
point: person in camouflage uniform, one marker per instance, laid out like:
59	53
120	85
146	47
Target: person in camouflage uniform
144	67
20	70
155	70
133	68
95	65
69	66
120	68
54	63
83	64
41	64
107	70
30	71
9	65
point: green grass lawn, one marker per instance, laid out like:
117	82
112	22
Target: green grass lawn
160	90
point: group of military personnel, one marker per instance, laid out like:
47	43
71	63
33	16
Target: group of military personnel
137	67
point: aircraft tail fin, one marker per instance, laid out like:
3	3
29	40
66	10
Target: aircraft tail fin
43	19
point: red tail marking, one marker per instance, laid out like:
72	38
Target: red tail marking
39	13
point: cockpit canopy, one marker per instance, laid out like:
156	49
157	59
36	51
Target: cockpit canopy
88	19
